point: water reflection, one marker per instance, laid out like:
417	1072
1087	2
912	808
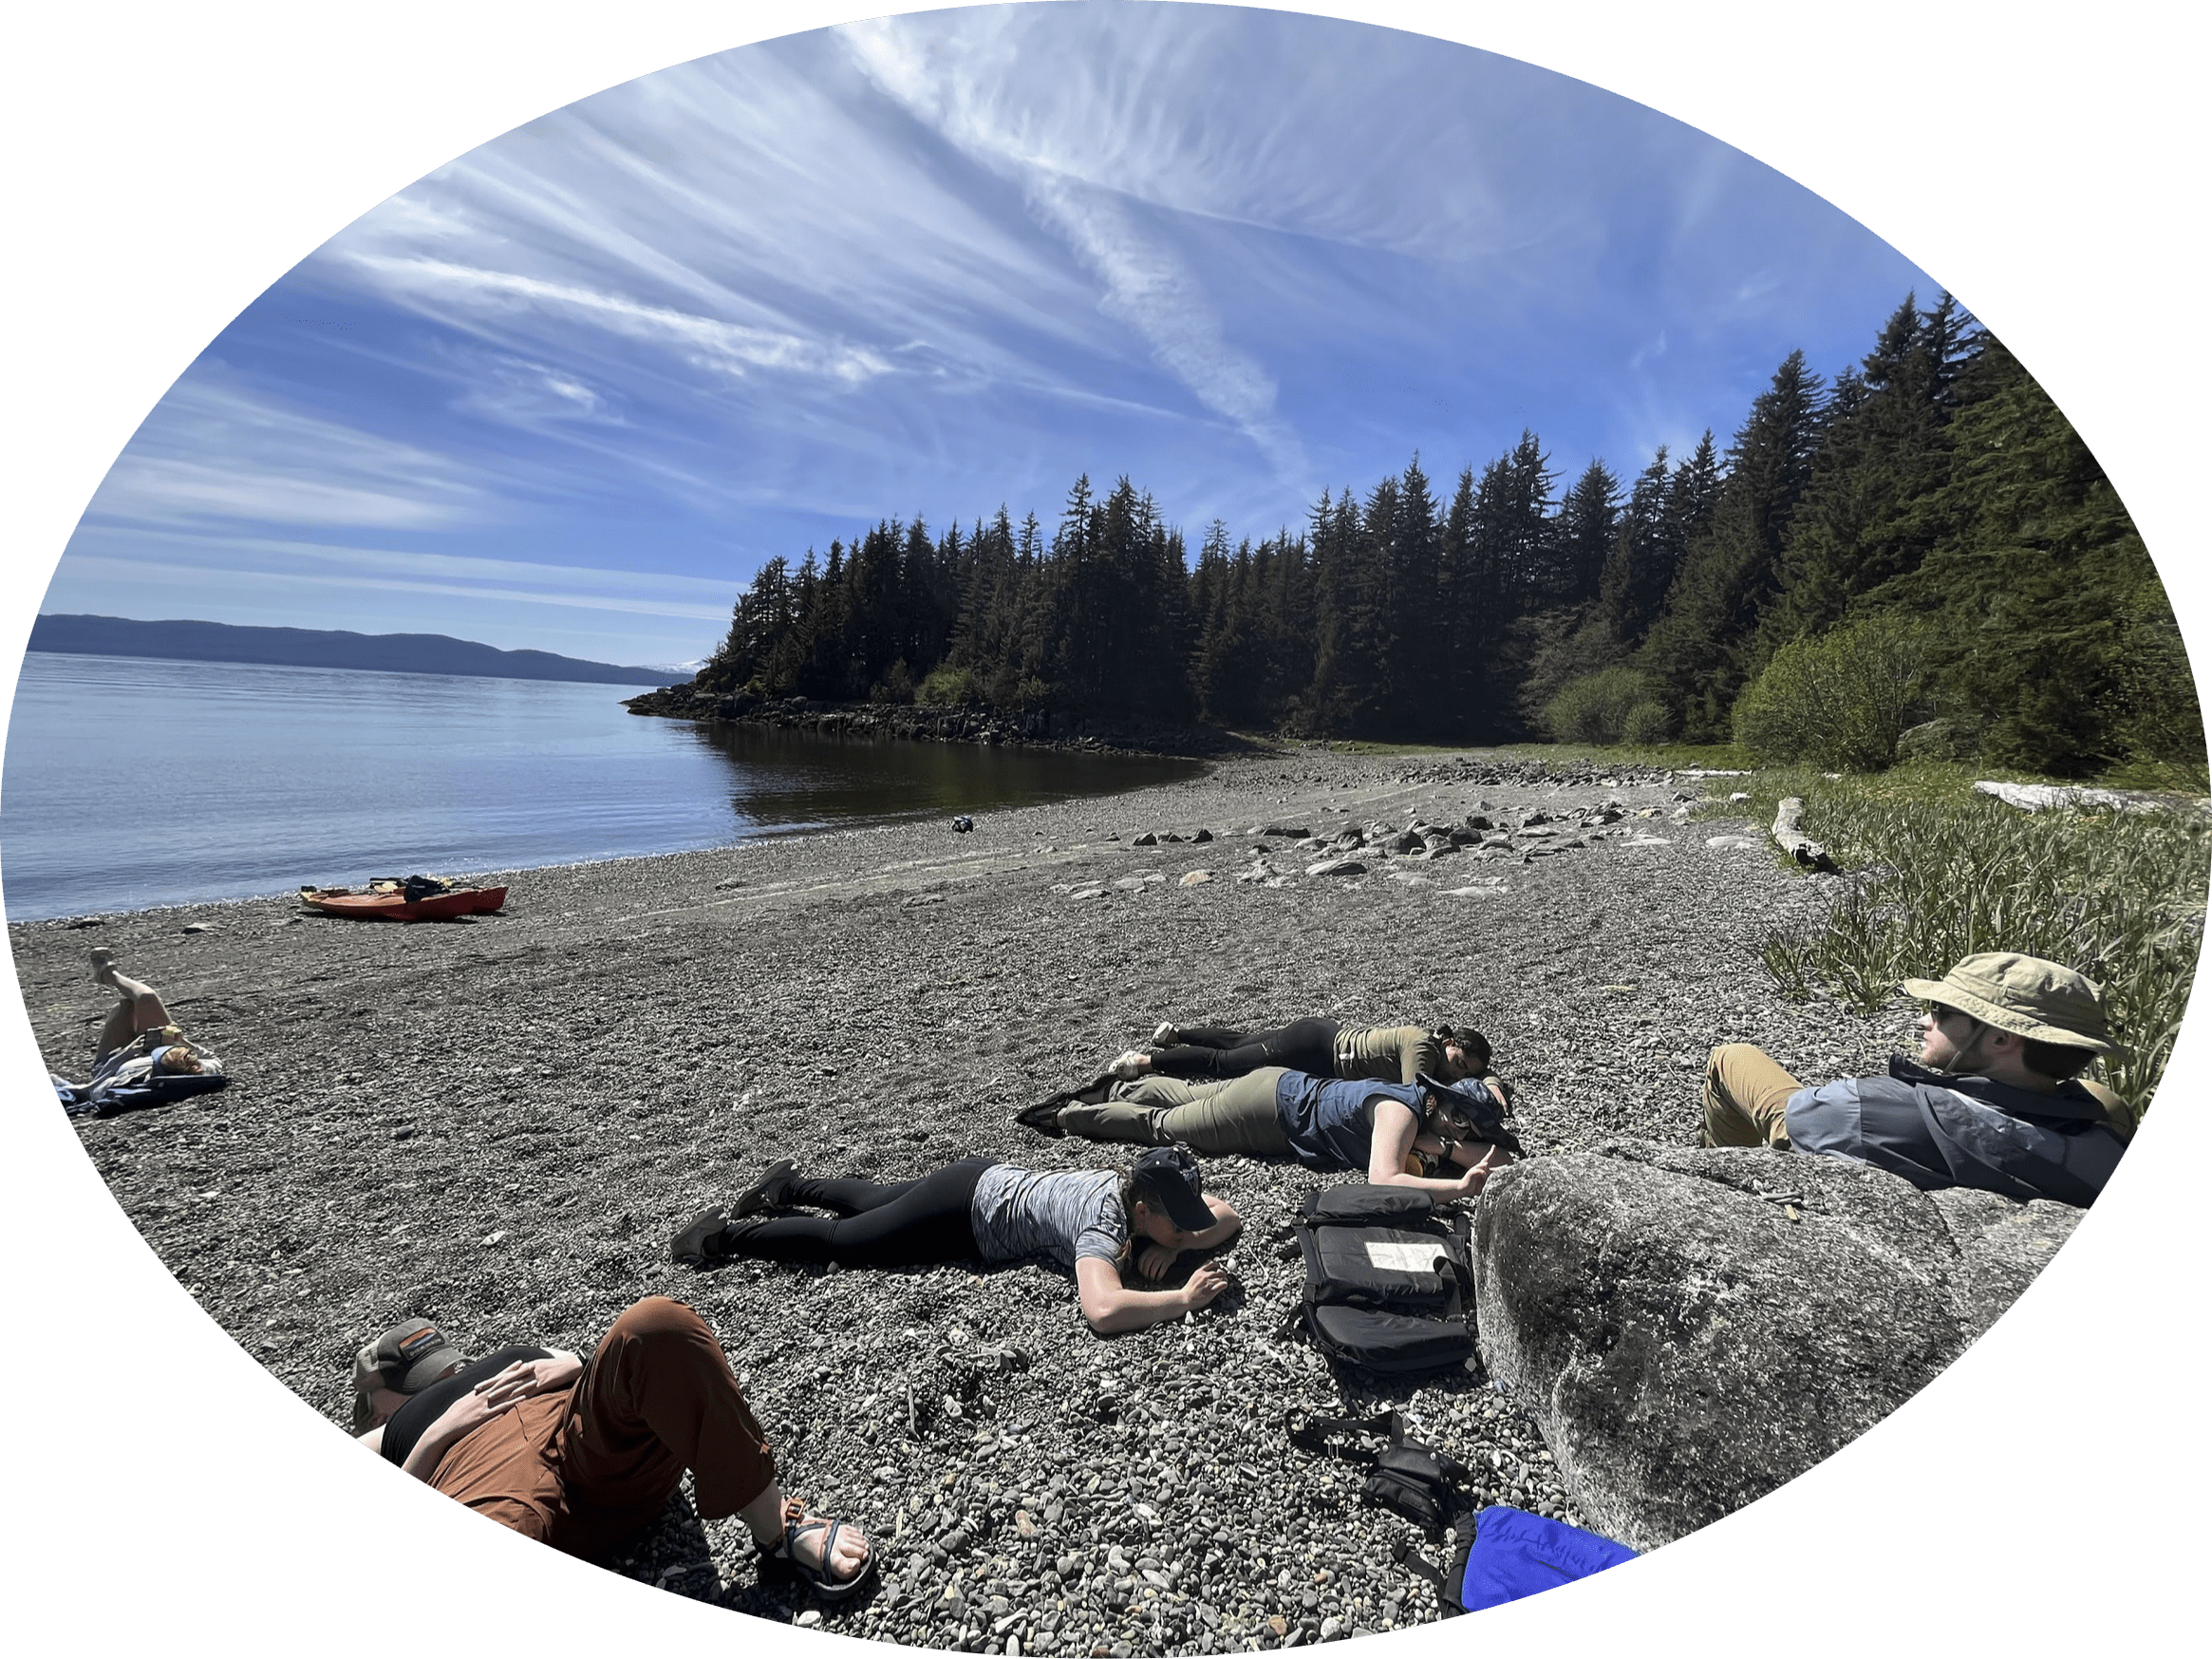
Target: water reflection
783	779
133	782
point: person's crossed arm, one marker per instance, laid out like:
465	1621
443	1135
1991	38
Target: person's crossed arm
489	1398
1112	1307
1397	1130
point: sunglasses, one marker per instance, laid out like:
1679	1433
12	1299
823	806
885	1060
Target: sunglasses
1939	1012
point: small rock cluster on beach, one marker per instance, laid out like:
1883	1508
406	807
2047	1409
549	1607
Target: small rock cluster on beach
499	1122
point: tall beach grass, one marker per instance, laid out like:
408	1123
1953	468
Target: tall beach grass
1935	872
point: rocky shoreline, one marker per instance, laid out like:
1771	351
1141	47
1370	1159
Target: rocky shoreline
500	1121
922	723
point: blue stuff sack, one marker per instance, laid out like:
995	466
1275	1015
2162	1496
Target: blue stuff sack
1514	1553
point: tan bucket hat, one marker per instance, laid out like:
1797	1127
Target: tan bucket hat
2024	995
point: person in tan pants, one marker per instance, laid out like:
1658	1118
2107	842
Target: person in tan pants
1993	1100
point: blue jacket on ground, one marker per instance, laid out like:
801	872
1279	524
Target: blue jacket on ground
1515	1554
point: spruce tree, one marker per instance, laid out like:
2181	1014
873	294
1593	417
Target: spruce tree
1640	565
2055	633
1694	654
1873	508
1589	524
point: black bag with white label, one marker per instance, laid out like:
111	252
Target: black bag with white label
1388	1284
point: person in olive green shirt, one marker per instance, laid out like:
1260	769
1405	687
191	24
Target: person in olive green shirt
1319	1047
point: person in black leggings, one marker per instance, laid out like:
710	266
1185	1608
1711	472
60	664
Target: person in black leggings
1086	1219
1316	1046
1307	1045
913	1223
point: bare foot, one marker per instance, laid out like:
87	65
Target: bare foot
103	969
812	1531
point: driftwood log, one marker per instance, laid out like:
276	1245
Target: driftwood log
2047	796
1795	841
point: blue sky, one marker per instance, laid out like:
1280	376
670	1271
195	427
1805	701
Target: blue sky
571	389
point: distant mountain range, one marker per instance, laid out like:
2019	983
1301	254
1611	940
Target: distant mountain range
312	648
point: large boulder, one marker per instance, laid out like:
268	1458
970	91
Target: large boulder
1692	1329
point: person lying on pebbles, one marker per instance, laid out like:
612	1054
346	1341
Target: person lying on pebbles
1392	1130
583	1455
1317	1046
1093	1222
138	1043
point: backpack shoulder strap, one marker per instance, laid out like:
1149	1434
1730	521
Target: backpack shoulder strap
1315	1432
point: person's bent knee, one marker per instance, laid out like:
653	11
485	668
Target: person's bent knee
1729	1053
658	1317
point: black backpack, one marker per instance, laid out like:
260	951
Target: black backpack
1389	1287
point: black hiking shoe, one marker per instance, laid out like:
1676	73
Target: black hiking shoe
771	1192
713	1238
1043	1117
700	1245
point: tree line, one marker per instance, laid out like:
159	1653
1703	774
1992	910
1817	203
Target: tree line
1923	547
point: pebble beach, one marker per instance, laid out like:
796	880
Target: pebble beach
499	1122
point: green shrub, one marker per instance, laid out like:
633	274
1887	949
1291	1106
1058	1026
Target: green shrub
1596	708
951	687
1647	726
1838	699
897	685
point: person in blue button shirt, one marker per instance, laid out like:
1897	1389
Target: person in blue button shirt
1995	1100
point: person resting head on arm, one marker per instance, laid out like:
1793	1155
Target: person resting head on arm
1317	1046
1440	1133
1326	1124
1103	1227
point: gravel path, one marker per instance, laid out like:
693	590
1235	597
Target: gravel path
499	1122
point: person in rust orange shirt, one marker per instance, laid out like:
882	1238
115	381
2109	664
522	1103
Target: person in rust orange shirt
583	1455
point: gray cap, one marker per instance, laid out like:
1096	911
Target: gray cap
406	1359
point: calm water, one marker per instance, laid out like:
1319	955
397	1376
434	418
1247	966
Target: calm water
133	782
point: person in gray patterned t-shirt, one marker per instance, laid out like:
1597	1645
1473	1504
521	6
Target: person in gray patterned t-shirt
1093	1222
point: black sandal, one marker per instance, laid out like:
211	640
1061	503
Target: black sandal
784	1556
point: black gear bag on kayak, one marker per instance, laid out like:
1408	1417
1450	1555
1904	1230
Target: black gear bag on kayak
1389	1286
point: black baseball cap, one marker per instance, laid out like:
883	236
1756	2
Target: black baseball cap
1169	1175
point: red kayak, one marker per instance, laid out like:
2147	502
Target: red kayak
391	906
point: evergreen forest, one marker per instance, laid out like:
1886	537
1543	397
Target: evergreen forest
1917	556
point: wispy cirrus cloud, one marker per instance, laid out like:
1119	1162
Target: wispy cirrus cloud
226	559
216	451
706	342
945	80
944	261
